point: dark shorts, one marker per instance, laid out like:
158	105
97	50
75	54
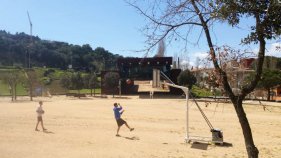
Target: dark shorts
39	118
120	122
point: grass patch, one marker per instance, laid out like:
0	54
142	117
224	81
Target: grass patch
5	91
204	92
86	91
21	90
201	92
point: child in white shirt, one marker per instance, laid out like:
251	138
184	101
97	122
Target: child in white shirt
40	112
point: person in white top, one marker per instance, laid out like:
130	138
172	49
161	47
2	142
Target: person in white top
40	112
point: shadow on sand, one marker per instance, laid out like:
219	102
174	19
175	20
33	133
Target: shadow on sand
122	97
226	144
204	146
48	132
200	146
130	138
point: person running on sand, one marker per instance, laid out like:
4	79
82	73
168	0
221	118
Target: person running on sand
118	111
40	112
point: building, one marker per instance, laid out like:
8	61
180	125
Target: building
136	74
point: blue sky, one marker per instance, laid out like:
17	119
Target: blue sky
111	24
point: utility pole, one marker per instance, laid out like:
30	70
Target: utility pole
30	24
28	74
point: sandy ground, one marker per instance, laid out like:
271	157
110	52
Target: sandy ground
86	128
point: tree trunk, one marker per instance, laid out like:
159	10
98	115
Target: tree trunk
94	90
91	91
30	91
237	100
268	94
252	150
15	92
11	92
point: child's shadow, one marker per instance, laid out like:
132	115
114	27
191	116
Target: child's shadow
48	132
132	138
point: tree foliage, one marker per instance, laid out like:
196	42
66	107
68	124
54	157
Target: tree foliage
31	81
77	81
91	81
16	50
266	12
12	78
65	81
111	81
270	79
186	78
73	81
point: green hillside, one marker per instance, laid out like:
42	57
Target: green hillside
44	79
15	50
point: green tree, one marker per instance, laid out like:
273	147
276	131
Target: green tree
166	18
30	81
65	81
111	81
77	82
15	49
12	78
186	78
270	79
91	82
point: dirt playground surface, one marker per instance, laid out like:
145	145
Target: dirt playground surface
86	128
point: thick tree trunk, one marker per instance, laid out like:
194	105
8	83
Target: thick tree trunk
237	100
268	94
252	150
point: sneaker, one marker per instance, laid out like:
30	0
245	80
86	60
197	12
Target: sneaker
131	129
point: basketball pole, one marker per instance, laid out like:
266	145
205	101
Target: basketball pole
217	135
185	89
187	115
156	80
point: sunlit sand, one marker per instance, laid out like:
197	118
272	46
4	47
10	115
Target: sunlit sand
86	128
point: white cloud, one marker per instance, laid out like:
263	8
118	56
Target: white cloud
192	58
272	51
200	55
185	61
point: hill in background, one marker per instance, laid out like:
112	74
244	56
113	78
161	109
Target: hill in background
15	50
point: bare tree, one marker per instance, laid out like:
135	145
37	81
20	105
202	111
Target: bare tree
12	78
161	49
168	19
30	81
